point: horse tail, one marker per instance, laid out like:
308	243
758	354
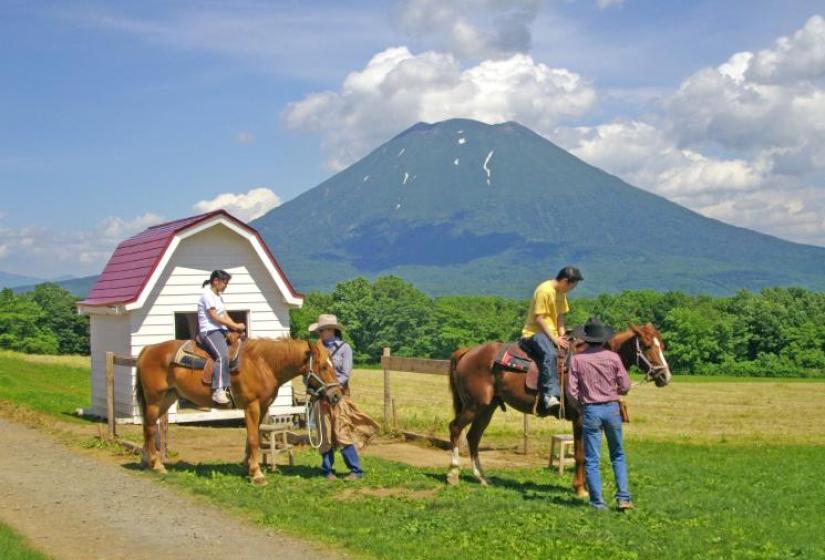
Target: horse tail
139	396
454	359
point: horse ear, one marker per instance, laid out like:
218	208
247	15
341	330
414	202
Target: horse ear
635	328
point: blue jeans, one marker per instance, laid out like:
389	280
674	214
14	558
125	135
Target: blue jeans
542	349
351	458
214	342
598	417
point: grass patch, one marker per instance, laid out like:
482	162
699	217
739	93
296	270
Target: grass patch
692	501
15	547
57	387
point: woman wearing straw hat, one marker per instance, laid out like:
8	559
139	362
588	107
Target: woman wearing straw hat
345	426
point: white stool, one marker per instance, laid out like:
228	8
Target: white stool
561	449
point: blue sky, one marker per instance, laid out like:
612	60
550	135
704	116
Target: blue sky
114	116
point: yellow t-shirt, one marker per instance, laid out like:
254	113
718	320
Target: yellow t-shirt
549	304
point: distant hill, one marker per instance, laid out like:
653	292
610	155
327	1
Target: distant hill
10	280
462	207
77	286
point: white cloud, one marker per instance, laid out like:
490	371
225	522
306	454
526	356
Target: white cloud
801	57
4	250
604	4
245	207
471	28
397	89
743	142
245	137
44	252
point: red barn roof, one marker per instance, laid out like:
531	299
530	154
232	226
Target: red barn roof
133	262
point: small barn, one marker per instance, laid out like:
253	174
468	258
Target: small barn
148	293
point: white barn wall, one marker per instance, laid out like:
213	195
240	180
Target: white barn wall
179	287
110	333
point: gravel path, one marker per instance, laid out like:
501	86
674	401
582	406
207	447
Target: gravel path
72	506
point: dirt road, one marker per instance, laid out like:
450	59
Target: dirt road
72	506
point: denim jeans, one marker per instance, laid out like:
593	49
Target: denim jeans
351	458
542	349
598	417
214	342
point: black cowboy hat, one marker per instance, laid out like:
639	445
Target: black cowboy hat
594	331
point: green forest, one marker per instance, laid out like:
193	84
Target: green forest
777	332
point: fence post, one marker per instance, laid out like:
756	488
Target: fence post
387	393
110	394
526	430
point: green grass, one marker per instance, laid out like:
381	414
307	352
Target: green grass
57	388
692	502
14	547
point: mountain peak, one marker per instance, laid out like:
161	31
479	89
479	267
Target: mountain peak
461	206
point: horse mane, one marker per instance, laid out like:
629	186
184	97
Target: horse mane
277	350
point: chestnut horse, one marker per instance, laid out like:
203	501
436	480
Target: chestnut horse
477	390
265	366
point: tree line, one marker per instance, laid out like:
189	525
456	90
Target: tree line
777	332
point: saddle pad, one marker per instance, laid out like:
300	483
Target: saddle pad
191	356
512	358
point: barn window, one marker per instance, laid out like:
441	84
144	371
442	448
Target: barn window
186	324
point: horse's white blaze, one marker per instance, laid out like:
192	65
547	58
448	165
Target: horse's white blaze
454	461
661	354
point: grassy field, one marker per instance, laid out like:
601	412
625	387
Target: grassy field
718	469
690	410
14	547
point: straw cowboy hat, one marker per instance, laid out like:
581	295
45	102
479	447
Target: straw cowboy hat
594	331
326	321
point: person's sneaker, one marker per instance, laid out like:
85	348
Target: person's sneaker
219	396
624	505
353	476
548	405
330	476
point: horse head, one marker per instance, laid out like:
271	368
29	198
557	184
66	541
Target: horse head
650	353
320	378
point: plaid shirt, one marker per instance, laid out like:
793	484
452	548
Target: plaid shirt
597	376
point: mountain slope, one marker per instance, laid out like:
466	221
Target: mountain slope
464	207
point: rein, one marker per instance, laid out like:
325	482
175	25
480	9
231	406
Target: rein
312	411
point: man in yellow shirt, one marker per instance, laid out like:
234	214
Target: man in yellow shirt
543	333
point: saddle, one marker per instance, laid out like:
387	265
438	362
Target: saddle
192	355
512	357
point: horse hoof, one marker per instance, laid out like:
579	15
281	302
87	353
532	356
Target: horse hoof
483	481
452	478
582	493
159	468
259	480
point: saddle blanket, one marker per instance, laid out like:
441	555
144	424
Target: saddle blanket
192	356
511	357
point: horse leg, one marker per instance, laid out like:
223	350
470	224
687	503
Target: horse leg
252	414
578	452
480	424
156	406
456	427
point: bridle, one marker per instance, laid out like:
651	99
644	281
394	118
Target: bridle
311	375
652	372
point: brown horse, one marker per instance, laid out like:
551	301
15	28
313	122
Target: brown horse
265	366
477	390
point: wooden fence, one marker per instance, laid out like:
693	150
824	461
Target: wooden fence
420	365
